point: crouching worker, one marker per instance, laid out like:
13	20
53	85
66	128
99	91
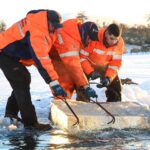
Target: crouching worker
29	40
65	55
103	60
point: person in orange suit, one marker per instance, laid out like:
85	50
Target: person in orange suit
28	42
103	60
65	55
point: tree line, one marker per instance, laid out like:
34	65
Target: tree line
135	35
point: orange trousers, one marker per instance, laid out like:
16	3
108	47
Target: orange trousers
64	78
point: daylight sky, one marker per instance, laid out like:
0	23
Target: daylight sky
125	11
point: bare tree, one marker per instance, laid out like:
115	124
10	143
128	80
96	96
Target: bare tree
2	26
81	16
148	19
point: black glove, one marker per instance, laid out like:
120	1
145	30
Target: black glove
89	92
94	75
105	82
58	91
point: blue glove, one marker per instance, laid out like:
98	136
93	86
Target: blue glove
89	92
105	82
94	75
58	91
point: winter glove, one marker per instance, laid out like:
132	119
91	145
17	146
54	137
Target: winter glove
57	89
94	75
89	92
105	82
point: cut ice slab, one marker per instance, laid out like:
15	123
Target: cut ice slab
92	117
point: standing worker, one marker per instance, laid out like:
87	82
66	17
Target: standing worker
29	41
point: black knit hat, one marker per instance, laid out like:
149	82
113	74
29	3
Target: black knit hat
88	29
54	18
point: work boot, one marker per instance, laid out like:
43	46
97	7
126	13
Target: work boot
13	117
39	126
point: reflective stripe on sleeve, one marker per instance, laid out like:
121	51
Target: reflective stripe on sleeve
68	54
20	29
84	52
45	57
114	68
53	83
98	51
82	59
60	40
110	53
101	52
118	57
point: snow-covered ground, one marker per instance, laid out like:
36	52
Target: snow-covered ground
129	47
135	66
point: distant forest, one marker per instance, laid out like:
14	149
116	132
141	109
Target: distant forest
135	35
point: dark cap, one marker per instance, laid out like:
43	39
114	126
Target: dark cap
88	29
93	32
54	18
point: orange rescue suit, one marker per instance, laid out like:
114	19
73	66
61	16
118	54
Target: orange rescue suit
97	55
29	41
65	57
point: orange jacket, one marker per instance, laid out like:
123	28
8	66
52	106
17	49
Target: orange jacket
96	54
68	45
29	41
